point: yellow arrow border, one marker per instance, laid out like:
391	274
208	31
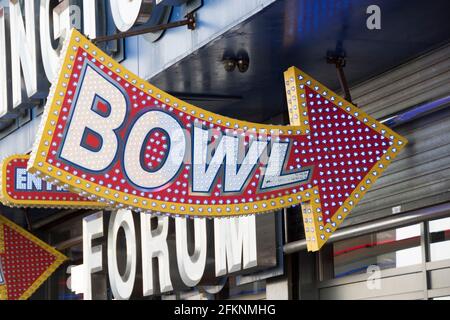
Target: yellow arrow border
59	258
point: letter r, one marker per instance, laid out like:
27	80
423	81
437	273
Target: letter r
90	141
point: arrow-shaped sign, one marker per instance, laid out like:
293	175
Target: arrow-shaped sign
348	148
112	136
19	188
25	261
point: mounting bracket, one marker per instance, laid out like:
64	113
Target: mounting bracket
189	22
339	61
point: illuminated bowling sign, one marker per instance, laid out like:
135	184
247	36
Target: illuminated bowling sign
19	188
112	136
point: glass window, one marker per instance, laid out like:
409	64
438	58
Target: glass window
439	239
388	249
255	290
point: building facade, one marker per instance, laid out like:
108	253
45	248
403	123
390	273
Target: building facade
394	245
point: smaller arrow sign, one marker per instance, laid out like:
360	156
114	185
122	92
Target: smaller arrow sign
25	261
20	188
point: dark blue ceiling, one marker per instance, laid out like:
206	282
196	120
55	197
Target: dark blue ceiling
300	33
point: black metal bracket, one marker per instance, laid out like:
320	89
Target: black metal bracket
339	61
189	22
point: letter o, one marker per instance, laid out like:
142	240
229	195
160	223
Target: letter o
122	285
128	13
147	122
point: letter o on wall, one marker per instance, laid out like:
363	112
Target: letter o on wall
128	13
122	285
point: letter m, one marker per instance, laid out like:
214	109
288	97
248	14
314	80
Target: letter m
234	242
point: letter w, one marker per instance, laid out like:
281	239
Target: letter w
227	154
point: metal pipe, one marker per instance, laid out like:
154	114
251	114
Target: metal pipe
416	112
384	224
54	217
339	61
344	83
189	21
69	243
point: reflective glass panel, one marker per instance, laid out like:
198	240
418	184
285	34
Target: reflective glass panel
388	249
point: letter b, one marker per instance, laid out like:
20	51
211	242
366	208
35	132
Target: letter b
99	109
